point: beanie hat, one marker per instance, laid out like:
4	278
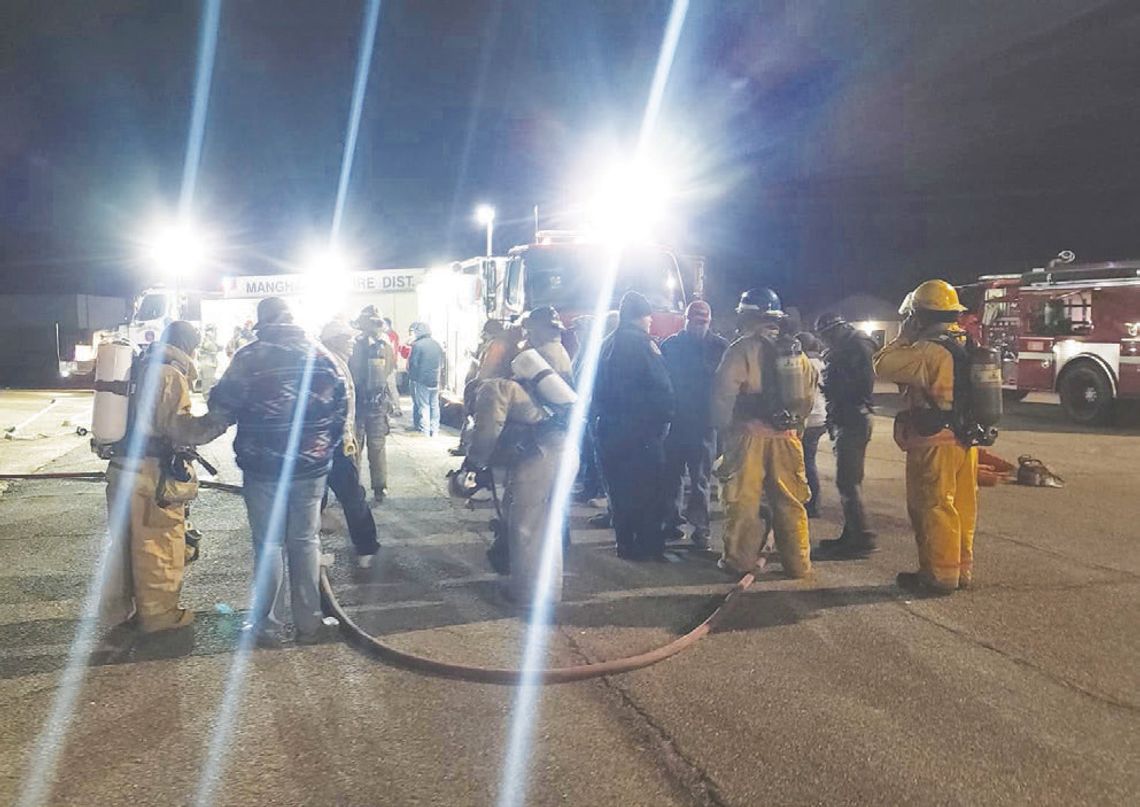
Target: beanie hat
634	306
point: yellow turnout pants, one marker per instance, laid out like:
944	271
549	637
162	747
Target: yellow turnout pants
148	561
759	463
942	500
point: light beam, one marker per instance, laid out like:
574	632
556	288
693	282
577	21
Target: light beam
513	788
363	64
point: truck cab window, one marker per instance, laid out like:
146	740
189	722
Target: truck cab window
151	307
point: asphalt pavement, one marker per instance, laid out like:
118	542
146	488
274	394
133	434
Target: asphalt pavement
833	690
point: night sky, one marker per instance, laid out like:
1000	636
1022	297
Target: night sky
824	148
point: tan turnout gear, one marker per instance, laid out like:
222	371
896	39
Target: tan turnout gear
148	552
759	462
506	417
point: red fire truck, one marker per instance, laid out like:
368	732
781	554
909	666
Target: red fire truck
561	269
1072	328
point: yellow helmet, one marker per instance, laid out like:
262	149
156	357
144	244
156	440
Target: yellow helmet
936	295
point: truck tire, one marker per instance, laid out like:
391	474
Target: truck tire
1086	394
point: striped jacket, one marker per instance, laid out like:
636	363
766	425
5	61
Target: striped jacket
260	392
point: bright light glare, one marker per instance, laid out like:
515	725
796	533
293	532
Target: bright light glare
484	214
867	328
178	250
628	201
327	261
328	280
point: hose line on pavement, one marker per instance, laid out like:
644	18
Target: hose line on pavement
468	672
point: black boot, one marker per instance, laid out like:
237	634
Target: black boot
914	583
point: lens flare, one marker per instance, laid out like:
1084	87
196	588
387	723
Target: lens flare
45	755
513	787
214	766
363	64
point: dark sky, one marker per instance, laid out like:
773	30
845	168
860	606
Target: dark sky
824	147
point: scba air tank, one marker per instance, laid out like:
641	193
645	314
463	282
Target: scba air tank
111	409
551	387
985	391
792	383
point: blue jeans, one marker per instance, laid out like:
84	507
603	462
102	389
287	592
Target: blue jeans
425	406
811	438
289	529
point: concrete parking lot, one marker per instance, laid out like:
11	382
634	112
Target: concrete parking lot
833	690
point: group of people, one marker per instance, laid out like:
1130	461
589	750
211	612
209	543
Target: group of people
306	413
696	406
752	414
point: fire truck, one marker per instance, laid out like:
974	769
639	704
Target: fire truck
561	269
1071	328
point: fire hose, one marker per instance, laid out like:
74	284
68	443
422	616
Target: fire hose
476	674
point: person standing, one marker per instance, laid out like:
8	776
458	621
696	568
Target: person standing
761	394
941	472
691	357
492	359
424	365
373	368
633	399
344	476
208	359
815	424
290	405
848	386
149	546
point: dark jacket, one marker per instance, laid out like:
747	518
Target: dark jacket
632	390
849	377
425	362
692	363
260	391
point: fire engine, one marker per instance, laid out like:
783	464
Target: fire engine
1071	328
561	269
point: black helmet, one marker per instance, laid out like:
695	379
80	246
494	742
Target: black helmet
825	322
761	300
543	316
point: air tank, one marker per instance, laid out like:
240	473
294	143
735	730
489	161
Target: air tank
110	410
551	387
794	392
985	391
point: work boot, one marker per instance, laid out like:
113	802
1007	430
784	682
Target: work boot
915	583
365	561
457	452
674	533
499	557
844	548
601	521
700	539
172	620
379	495
327	631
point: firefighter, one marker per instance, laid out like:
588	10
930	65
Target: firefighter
762	391
515	430
344	476
941	473
692	356
542	330
633	400
492	360
848	384
373	368
159	484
